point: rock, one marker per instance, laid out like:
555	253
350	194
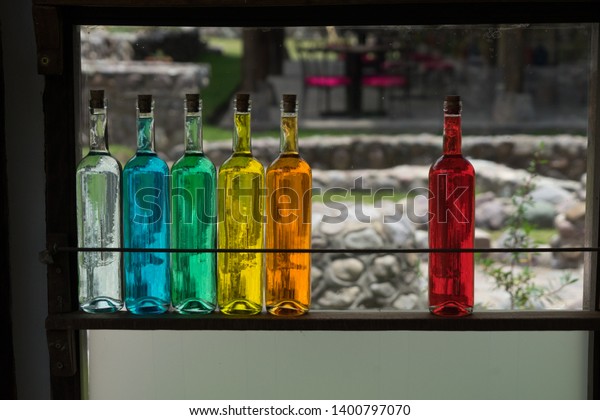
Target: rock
540	214
566	230
491	214
341	159
347	270
482	239
552	194
576	213
341	299
566	260
385	290
417	210
406	302
401	233
315	274
386	268
366	238
421	239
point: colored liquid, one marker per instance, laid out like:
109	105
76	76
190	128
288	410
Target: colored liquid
193	275
146	225
289	183
98	182
452	224
241	207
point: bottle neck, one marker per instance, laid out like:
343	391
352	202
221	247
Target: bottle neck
98	133
241	133
193	132
289	133
145	132
452	135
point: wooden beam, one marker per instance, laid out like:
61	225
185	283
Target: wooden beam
336	321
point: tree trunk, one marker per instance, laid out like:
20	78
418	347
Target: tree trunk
511	58
263	55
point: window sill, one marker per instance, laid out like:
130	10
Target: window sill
335	321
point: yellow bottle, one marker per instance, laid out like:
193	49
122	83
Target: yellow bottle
289	188
241	185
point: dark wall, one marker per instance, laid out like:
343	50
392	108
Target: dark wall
24	136
8	388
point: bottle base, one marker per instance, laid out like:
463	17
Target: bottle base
195	306
451	309
147	306
241	307
101	305
287	308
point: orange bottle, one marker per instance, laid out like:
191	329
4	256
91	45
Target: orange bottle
289	188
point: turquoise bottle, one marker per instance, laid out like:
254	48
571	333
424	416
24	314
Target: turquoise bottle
193	203
98	186
146	220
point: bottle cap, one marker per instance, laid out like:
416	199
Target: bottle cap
192	102
288	103
242	102
452	104
145	103
96	98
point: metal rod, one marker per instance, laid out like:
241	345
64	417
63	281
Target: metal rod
329	250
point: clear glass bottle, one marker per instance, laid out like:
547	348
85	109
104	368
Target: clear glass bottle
98	186
289	203
193	201
146	220
452	221
240	189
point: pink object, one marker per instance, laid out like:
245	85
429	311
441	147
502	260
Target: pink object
327	81
384	80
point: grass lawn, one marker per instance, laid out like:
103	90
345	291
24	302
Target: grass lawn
225	78
539	236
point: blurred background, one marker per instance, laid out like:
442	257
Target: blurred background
370	115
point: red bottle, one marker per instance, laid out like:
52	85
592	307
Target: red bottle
451	222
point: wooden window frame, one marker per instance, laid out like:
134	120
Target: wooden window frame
57	46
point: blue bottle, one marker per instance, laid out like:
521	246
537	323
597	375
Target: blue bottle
146	220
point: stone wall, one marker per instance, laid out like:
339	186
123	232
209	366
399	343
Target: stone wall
123	80
565	155
159	62
365	281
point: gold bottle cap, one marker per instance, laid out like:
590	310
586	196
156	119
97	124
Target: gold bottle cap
192	102
145	103
96	98
242	102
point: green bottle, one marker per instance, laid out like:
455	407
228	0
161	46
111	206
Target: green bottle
193	200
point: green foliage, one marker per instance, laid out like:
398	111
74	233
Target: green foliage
515	275
225	78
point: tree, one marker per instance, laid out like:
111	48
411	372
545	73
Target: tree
263	55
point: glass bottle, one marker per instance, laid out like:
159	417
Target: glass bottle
146	220
452	221
289	202
193	201
241	183
98	186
